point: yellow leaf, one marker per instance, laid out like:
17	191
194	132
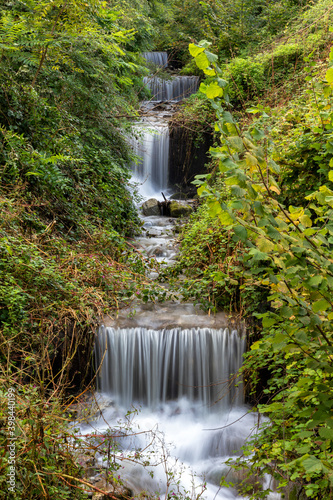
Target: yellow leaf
297	214
305	220
195	50
264	244
209	72
213	90
275	189
329	75
225	218
251	161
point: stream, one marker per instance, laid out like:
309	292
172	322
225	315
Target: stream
167	383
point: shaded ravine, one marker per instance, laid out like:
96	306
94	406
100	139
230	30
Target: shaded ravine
175	369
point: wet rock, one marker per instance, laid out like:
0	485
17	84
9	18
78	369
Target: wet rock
111	491
178	209
157	251
151	207
153	232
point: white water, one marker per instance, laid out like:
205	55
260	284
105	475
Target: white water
192	418
157	58
192	415
151	145
150	139
154	367
175	89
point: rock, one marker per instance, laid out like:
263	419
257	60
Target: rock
153	233
157	251
151	207
178	209
111	491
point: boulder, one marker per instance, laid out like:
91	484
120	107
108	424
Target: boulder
111	491
178	209
151	207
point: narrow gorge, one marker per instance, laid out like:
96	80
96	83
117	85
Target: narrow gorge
169	363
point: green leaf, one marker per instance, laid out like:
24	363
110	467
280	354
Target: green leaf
211	57
312	464
202	61
315	281
226	219
237	143
329	75
214	208
195	50
268	321
257	255
326	433
320	305
241	232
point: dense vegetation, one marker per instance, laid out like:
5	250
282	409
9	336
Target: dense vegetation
264	238
69	78
260	243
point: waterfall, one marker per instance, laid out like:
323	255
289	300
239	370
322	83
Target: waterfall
157	366
183	381
157	58
151	145
150	140
174	89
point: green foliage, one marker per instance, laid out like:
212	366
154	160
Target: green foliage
214	266
60	138
246	78
297	341
69	79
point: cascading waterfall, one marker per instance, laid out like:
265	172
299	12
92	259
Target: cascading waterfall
151	145
157	58
176	89
151	367
150	140
183	380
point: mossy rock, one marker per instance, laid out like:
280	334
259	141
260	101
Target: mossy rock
178	209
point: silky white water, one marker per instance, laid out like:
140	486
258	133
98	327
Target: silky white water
158	58
175	89
192	417
151	145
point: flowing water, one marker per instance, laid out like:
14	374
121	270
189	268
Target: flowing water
151	145
150	138
157	58
172	366
192	415
175	89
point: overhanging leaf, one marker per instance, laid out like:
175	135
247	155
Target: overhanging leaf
329	75
195	50
226	219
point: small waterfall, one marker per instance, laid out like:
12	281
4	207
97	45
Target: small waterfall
175	89
152	148
153	367
157	58
181	379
